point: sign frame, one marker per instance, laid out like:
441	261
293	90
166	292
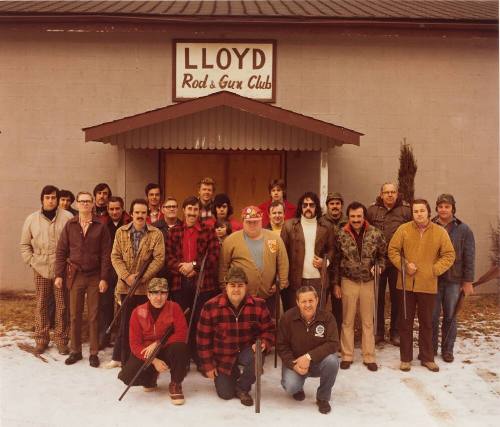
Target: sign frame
272	42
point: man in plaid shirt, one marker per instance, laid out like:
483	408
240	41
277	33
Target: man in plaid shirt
228	327
186	246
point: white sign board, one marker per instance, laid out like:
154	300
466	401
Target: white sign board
247	68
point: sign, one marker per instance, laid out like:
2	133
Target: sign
202	67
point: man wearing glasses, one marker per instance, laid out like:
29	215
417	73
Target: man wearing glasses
307	241
84	245
148	324
387	213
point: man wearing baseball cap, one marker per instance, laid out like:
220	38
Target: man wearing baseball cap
457	279
260	253
148	324
229	325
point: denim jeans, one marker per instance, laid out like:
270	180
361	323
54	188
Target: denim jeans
226	385
446	297
326	370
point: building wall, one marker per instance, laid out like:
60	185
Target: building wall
439	91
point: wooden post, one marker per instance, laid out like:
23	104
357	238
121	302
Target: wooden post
323	177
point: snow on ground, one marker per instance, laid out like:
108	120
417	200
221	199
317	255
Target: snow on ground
464	393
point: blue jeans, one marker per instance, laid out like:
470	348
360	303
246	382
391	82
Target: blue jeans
446	297
326	370
227	385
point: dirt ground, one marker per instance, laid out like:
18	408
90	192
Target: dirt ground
480	314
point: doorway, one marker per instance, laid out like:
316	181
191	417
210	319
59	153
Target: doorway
242	175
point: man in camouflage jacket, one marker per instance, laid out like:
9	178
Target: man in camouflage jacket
359	246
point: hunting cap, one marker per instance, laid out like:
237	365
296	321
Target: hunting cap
235	275
251	213
334	196
445	198
158	284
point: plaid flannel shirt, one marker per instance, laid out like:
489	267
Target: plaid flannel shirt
207	241
222	332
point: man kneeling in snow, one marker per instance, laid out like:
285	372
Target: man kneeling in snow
228	327
307	344
148	323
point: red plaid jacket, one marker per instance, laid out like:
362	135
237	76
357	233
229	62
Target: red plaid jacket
207	240
222	332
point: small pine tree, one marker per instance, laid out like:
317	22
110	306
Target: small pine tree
495	244
407	172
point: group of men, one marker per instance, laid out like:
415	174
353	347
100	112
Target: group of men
294	257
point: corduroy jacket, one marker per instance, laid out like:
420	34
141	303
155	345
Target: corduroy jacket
125	263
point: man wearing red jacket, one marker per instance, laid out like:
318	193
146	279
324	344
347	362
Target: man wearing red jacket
148	324
228	327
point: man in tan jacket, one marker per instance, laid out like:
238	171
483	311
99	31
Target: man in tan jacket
260	253
427	253
39	237
133	244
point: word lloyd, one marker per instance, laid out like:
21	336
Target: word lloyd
224	58
253	82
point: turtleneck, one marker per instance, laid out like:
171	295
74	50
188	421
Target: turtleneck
50	215
309	227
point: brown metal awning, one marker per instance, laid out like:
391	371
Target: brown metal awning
222	121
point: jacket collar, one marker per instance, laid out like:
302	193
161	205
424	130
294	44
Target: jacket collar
224	300
148	227
320	314
399	201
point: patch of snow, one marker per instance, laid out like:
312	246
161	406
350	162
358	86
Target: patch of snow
463	393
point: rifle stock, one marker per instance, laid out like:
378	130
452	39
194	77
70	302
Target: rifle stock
199	283
169	331
132	290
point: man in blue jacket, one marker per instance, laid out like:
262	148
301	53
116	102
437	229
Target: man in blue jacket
457	279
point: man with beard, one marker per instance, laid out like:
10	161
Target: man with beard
359	248
457	279
387	214
85	245
39	236
307	242
187	245
153	195
206	190
117	217
428	253
335	219
102	193
229	325
134	243
259	253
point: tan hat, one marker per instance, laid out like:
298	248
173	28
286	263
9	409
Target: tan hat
158	284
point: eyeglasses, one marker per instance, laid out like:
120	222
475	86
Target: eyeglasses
170	206
154	293
311	205
84	202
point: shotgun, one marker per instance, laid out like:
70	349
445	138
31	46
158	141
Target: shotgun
258	373
168	332
132	290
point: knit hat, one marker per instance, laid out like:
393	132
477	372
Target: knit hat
251	213
158	284
235	275
334	196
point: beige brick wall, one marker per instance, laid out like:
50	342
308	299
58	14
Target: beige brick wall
440	92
